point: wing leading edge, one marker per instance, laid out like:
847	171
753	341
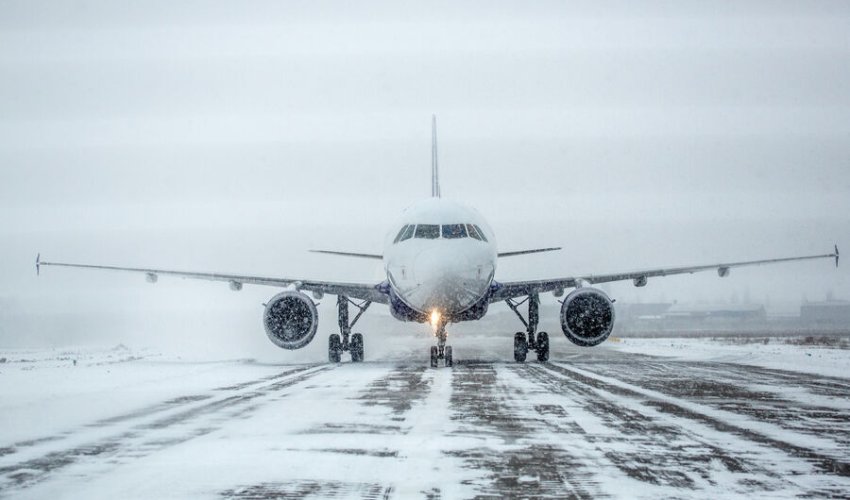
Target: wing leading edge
350	254
362	291
512	289
526	252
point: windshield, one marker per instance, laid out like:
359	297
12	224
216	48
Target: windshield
454	231
480	232
428	231
435	231
408	233
400	232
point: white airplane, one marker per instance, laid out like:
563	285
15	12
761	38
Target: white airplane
440	263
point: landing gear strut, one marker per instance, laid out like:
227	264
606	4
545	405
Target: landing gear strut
345	341
530	340
441	350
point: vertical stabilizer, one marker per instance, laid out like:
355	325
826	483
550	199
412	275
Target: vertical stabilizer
435	174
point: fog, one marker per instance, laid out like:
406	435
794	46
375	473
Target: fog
235	136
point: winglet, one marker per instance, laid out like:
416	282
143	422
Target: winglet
836	255
435	174
38	264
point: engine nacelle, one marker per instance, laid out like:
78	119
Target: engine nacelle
291	320
587	317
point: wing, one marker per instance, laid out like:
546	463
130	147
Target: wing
526	252
350	254
362	291
510	289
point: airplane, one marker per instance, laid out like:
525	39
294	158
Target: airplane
440	262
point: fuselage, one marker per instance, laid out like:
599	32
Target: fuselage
440	257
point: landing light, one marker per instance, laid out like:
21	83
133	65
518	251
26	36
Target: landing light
435	318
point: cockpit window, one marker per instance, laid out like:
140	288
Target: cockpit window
428	231
407	233
480	232
454	231
400	232
476	232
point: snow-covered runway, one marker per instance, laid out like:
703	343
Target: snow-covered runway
592	423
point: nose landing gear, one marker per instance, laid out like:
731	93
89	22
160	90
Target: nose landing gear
345	341
529	340
441	350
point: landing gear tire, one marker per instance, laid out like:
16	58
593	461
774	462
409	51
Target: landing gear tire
356	347
542	347
334	348
434	356
448	354
520	347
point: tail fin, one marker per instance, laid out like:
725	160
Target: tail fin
435	174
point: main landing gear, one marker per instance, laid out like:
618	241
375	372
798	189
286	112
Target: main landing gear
441	350
345	341
529	340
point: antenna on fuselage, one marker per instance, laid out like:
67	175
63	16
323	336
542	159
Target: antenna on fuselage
435	174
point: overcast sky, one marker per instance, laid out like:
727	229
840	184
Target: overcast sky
233	136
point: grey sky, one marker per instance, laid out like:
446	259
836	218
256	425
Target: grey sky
233	136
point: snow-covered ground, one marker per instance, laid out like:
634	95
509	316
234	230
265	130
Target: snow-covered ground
703	421
775	353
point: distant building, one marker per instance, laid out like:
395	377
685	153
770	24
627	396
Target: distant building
642	311
833	312
716	312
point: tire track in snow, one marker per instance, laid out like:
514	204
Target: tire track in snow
399	390
760	394
140	413
310	489
141	439
389	397
671	404
758	452
659	454
523	462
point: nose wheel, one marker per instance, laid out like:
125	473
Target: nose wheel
441	350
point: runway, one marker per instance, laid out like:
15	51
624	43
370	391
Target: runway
590	424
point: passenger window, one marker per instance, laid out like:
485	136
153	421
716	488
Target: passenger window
428	231
408	232
472	232
480	232
452	231
398	236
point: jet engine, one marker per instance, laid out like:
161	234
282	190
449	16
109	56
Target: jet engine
291	320
587	317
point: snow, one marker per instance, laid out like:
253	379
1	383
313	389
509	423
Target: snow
103	381
775	354
140	423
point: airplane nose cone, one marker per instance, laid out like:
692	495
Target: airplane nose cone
439	264
447	281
